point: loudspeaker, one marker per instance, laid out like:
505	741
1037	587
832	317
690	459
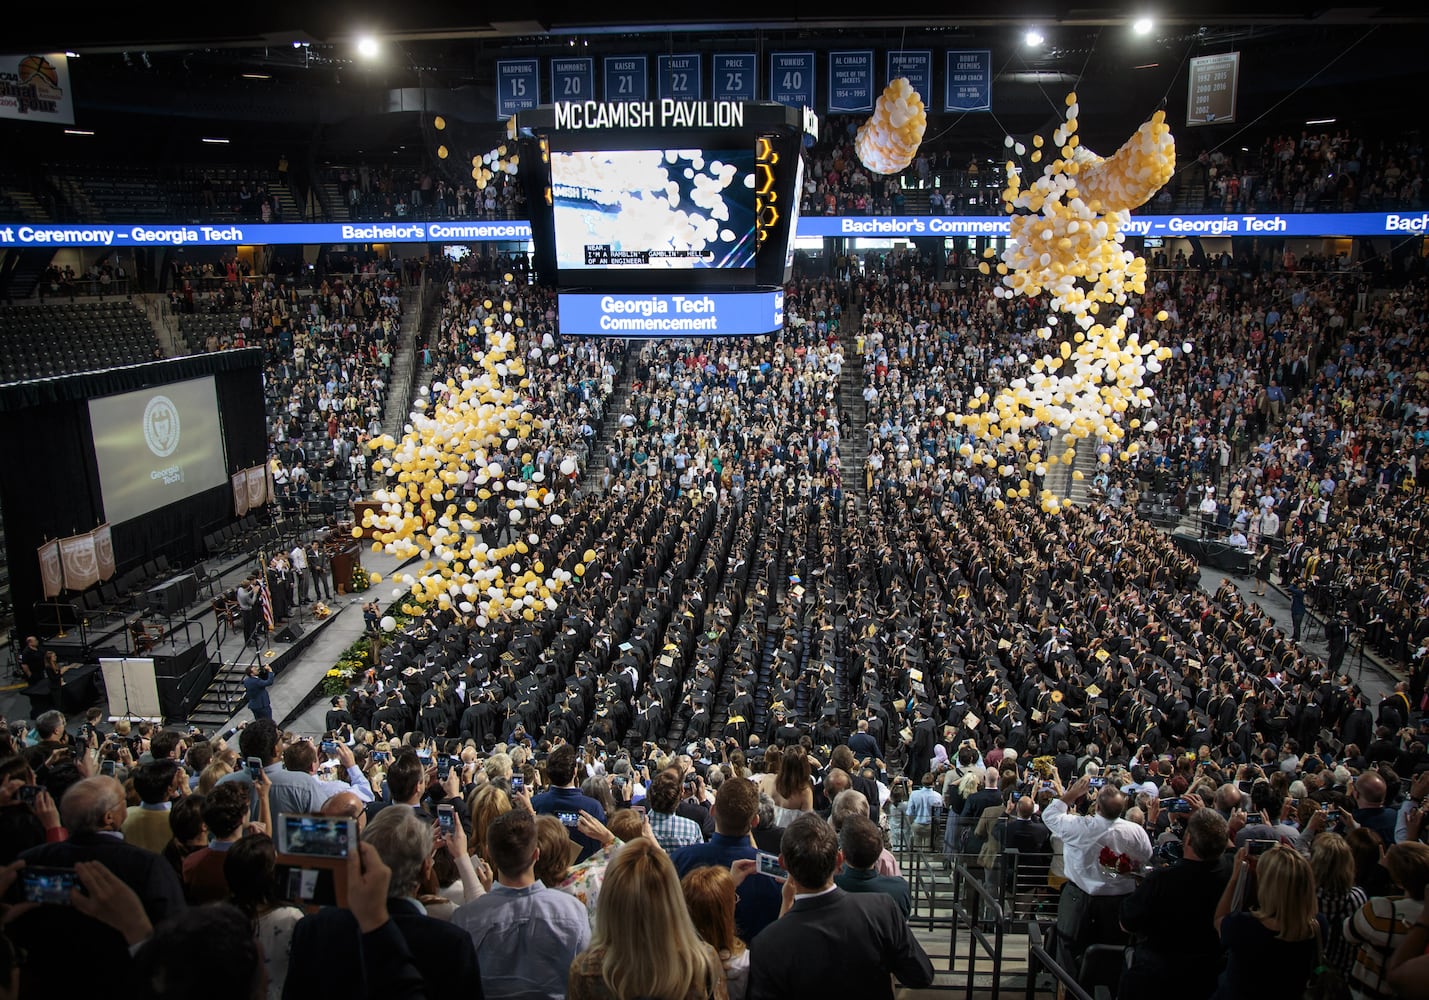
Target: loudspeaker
290	633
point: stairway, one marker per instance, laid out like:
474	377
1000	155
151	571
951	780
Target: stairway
619	400
224	693
288	208
332	201
73	195
853	446
28	206
400	385
1078	491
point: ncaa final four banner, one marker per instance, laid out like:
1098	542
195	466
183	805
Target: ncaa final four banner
36	88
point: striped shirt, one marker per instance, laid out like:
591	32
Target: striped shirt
1377	928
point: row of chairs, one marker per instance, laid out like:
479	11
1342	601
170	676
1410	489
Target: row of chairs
123	594
246	534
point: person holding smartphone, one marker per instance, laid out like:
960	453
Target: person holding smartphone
1271	949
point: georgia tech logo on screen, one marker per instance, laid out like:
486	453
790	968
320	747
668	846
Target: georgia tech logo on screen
161	426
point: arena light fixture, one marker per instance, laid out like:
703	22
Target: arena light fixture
1033	38
367	47
71	55
79	131
257	76
1321	121
1142	25
214	140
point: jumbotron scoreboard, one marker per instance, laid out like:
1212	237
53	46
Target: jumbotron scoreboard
665	218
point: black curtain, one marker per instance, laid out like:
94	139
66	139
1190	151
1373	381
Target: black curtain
51	485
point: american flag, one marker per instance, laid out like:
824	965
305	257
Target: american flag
265	598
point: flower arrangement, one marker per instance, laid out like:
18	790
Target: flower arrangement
360	580
1115	865
339	679
321	610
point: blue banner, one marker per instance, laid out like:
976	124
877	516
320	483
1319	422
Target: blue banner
572	79
917	66
640	314
968	86
33	234
734	76
791	79
851	81
679	78
1311	225
627	78
518	85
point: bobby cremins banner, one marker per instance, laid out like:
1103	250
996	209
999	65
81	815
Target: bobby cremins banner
36	88
32	234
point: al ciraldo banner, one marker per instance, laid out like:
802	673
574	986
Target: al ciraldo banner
36	88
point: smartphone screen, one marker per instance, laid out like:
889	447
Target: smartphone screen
107	768
446	819
329	746
1258	847
47	885
255	767
569	819
518	783
444	768
316	836
769	865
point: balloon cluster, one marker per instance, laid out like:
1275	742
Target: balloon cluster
501	159
889	140
1066	240
455	474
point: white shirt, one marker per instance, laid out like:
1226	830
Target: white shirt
299	558
1082	839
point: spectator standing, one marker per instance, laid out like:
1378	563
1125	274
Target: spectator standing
1338	896
711	898
874	937
671	831
1089	909
862	843
1378	927
564	798
645	944
736	813
525	934
1175	952
1270	950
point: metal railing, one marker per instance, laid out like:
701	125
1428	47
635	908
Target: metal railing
976	907
1040	963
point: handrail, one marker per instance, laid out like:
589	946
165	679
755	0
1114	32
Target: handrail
1039	960
989	910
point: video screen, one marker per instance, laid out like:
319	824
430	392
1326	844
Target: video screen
157	446
674	209
315	836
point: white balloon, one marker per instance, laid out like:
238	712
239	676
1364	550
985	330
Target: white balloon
388	623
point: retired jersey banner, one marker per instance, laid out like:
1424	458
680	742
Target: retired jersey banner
51	576
36	88
104	551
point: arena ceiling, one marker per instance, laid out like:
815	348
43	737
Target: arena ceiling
278	73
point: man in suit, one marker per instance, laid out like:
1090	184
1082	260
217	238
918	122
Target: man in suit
874	938
256	682
1175	950
93	811
736	813
862	744
442	952
862	844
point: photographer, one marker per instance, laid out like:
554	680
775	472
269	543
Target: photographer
256	682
